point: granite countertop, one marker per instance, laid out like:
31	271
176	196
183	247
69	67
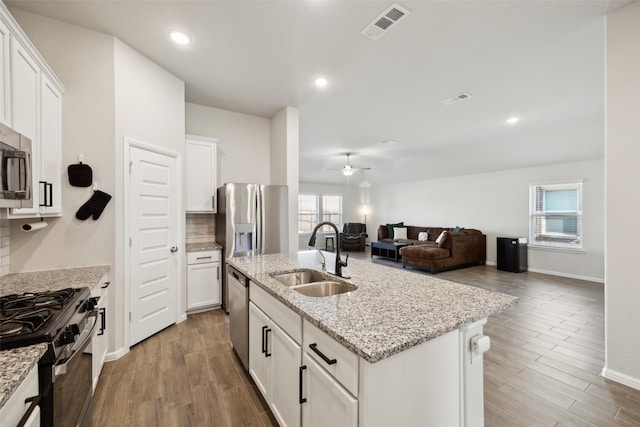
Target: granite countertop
17	362
199	247
392	309
52	280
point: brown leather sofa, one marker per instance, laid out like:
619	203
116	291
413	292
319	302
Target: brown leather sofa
457	249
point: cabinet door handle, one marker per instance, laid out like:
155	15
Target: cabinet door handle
34	401
314	348
103	320
300	398
106	285
218	273
264	348
266	343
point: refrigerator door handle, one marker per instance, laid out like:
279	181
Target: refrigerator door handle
259	220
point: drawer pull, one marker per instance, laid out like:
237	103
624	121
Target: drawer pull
106	285
300	398
328	361
204	257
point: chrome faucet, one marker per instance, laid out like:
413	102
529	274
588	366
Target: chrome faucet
339	262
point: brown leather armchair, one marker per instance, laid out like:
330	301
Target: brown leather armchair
353	236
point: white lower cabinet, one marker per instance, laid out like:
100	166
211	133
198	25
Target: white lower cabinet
100	339
274	361
203	280
327	403
20	402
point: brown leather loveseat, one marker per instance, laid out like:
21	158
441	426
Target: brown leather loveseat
455	250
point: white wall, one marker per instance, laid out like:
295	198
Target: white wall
83	60
498	204
622	154
352	202
244	151
285	136
149	108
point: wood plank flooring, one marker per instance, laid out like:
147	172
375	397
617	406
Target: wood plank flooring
542	369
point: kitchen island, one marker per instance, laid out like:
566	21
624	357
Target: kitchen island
408	336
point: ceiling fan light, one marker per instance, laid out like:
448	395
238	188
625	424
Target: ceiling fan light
347	171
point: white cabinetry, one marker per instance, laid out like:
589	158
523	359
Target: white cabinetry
99	341
275	355
203	280
20	402
201	180
31	103
327	402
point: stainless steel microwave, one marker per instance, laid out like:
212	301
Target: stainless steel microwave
15	169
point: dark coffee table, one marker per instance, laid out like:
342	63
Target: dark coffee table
389	250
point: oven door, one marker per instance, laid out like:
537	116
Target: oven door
72	382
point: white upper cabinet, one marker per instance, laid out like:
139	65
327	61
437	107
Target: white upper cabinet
31	103
5	72
201	180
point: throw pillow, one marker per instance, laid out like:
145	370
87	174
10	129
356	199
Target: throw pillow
458	229
399	233
391	226
423	236
442	238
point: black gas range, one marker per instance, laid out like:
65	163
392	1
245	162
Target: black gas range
64	319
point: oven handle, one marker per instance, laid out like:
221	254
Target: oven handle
35	400
62	369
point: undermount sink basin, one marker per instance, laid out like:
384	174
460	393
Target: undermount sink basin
313	283
301	277
324	289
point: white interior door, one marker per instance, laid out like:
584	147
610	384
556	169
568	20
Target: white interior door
154	232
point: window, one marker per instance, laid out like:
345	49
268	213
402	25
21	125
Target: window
332	210
556	215
307	212
311	212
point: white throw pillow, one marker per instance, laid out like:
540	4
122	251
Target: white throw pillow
440	237
399	233
423	236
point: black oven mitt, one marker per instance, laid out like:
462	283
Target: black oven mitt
94	206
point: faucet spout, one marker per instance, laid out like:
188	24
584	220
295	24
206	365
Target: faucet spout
339	262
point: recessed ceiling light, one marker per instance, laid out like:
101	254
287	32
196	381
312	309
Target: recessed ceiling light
390	142
512	120
180	37
321	82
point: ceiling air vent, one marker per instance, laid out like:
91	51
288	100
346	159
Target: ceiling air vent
379	26
457	98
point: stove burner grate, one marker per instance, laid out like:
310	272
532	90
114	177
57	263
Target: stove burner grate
24	323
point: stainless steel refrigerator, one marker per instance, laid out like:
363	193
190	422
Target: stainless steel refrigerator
252	219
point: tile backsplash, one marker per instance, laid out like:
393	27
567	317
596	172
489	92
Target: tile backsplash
200	228
5	248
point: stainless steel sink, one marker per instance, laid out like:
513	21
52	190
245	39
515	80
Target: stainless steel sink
324	289
301	277
313	283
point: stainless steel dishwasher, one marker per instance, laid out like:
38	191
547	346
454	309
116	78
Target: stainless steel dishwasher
239	313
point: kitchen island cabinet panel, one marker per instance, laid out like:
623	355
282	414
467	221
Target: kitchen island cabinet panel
328	404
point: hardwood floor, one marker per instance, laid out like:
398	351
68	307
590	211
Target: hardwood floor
542	369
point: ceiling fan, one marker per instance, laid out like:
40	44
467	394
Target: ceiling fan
348	170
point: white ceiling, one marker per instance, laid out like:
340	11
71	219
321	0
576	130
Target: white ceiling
540	60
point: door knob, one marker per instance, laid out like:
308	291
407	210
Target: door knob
174	249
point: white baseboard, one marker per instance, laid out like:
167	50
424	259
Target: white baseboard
620	378
115	355
557	273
